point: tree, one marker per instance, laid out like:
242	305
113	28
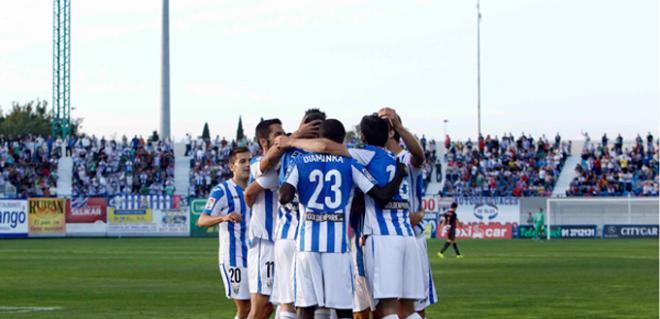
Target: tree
24	119
353	135
239	132
32	118
206	134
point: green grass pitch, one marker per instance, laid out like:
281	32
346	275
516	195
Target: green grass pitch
178	278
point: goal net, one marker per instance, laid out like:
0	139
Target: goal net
579	215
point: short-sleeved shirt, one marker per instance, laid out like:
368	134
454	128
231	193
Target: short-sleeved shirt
325	184
415	188
263	214
287	215
226	198
394	218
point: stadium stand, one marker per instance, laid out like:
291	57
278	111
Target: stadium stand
28	166
503	167
506	166
102	167
209	164
617	170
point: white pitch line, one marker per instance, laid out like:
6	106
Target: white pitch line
4	309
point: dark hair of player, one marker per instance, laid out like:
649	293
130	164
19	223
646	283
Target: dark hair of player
263	128
375	130
454	205
314	110
313	115
333	129
235	151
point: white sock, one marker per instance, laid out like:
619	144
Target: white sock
414	316
392	316
322	314
287	315
237	317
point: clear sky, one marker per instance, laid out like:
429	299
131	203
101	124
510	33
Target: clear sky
548	65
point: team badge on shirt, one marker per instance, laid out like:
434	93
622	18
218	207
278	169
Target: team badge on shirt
209	203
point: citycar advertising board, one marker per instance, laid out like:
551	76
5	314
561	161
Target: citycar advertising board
46	217
630	231
86	216
13	218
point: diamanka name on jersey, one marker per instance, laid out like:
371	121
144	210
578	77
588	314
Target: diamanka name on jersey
322	158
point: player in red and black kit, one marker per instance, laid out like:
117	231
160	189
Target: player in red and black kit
451	220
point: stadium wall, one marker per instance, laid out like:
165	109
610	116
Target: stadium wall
176	216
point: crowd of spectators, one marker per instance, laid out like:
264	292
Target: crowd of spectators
106	167
209	163
432	162
490	166
28	166
617	170
505	166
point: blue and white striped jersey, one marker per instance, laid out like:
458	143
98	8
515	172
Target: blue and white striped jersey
416	188
224	199
324	184
287	215
263	214
394	218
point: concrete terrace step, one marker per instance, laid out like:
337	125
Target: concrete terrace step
64	176
181	169
566	176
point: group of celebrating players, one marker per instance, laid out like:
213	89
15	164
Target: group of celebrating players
285	218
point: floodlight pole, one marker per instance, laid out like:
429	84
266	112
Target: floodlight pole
165	73
478	68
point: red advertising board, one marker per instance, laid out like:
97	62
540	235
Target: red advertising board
86	210
481	231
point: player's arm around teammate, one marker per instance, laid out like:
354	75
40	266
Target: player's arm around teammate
316	145
261	197
273	155
381	194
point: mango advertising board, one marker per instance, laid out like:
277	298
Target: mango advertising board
13	218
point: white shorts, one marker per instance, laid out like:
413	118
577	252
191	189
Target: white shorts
323	280
235	281
261	266
285	251
429	284
393	267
